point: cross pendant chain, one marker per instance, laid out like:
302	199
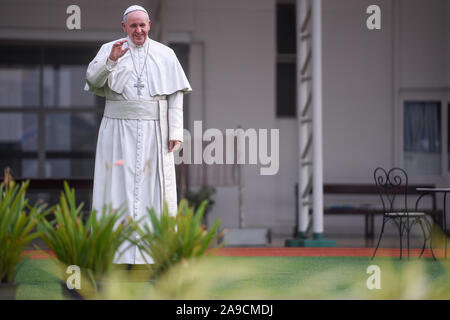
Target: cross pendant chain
139	85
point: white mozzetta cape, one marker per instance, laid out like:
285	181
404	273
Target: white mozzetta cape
164	72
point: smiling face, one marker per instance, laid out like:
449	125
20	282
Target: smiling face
137	26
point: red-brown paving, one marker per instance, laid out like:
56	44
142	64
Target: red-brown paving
293	252
323	252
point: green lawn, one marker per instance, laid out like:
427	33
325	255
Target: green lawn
264	278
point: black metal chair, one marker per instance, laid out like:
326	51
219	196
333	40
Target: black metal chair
391	184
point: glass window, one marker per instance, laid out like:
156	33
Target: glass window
19	129
71	140
422	137
37	81
286	93
71	131
286	85
286	37
64	87
28	169
18	142
19	86
182	52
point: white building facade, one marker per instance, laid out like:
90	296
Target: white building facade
378	87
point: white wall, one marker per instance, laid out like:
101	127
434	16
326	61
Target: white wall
357	88
357	102
239	46
239	39
46	19
422	43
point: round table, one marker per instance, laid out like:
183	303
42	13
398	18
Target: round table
444	219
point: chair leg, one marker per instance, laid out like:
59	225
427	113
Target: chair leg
430	230
407	233
424	238
401	236
379	238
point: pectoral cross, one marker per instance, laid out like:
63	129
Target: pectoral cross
139	85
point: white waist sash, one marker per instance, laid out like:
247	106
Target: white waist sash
133	110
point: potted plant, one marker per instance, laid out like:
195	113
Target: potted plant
17	231
89	244
172	239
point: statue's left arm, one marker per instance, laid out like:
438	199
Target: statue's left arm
175	116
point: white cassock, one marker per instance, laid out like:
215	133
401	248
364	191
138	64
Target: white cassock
136	128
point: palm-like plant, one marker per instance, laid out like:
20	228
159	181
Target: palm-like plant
17	226
170	239
91	244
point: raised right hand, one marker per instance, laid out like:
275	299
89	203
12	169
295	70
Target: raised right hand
116	50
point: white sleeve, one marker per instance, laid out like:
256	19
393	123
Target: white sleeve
175	116
99	69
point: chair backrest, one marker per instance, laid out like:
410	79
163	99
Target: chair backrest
390	184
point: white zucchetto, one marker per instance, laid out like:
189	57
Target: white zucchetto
134	8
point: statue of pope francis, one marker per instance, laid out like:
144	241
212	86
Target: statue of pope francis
143	83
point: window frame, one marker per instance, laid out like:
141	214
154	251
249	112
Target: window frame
424	95
40	110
